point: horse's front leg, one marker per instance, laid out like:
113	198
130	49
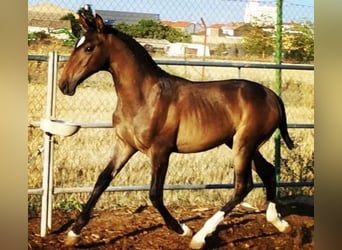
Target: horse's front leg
159	168
122	153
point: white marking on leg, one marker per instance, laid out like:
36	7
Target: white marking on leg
187	230
72	234
80	42
249	206
72	238
273	217
209	227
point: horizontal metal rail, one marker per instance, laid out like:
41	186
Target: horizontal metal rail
63	58
39	58
36	124
236	64
166	187
300	125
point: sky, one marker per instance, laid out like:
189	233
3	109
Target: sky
212	11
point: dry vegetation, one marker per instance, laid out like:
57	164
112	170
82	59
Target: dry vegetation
79	159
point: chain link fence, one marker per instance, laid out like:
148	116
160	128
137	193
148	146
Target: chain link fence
78	159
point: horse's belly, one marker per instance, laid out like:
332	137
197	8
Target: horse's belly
195	140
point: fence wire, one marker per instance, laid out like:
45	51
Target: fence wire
79	159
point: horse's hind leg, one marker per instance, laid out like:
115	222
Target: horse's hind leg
159	169
122	154
266	171
243	153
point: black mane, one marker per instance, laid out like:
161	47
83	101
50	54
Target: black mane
137	49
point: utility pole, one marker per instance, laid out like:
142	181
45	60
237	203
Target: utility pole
205	46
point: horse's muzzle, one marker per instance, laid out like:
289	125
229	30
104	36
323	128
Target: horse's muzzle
65	88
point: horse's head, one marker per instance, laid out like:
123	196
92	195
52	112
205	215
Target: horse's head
88	57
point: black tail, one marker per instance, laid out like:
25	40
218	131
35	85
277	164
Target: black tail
283	125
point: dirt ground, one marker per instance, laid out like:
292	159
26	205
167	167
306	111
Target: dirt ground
143	228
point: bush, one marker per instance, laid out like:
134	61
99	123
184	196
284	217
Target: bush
154	30
40	35
298	43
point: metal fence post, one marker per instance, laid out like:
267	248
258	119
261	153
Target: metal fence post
47	184
278	60
53	114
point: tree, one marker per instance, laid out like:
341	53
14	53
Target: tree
258	40
298	43
154	30
75	25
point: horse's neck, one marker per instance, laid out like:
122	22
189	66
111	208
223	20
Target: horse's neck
133	79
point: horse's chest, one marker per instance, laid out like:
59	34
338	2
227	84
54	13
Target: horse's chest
140	130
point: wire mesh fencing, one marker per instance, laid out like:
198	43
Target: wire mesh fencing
220	26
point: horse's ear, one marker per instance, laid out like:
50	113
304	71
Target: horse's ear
83	22
99	23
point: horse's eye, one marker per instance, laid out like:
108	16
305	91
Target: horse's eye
89	49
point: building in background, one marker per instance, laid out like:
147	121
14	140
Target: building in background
111	17
184	26
187	49
257	13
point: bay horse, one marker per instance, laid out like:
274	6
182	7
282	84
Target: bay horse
158	113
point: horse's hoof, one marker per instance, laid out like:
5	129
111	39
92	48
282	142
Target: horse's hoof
281	225
194	244
187	231
284	227
71	239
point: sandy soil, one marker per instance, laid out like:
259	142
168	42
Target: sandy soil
143	228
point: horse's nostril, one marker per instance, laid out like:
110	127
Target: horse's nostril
63	87
66	89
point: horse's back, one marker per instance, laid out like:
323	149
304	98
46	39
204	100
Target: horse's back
234	97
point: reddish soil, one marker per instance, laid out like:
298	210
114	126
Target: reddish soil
143	228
